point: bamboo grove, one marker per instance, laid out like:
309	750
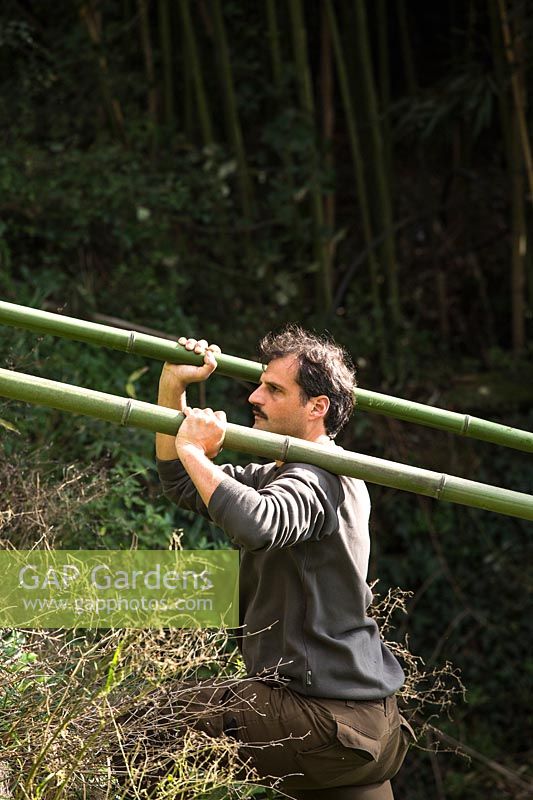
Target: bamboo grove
217	168
334	62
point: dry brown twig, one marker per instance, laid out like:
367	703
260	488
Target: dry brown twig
75	704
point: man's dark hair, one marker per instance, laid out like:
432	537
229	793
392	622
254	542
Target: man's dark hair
324	368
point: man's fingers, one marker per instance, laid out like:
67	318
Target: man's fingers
204	412
201	346
189	344
193	344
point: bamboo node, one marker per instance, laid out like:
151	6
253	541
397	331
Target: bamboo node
285	448
466	423
440	487
126	413
131	342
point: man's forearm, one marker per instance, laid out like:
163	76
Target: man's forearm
171	395
172	384
205	475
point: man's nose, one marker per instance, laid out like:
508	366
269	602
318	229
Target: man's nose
255	397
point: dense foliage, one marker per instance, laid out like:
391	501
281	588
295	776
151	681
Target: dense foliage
218	168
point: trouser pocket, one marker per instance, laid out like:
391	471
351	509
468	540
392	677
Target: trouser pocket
368	747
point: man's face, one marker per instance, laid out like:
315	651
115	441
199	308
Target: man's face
277	402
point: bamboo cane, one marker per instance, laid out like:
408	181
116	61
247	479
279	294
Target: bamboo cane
233	123
204	116
363	205
149	346
138	414
146	345
381	188
323	285
165	43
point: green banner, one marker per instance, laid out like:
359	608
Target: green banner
119	588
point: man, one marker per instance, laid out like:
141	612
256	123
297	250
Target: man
321	682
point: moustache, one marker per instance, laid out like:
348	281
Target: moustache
257	411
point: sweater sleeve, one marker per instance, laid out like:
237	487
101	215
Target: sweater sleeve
179	488
298	505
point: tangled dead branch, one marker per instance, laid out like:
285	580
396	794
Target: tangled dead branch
101	715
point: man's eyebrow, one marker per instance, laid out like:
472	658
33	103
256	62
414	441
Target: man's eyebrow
266	382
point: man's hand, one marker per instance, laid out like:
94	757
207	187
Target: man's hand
199	439
184	374
173	384
202	430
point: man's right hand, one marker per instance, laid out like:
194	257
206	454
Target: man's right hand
173	384
185	374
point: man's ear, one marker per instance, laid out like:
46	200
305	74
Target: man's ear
319	406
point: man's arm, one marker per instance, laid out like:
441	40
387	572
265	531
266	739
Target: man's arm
296	506
173	384
199	439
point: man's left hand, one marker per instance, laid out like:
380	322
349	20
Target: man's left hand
203	429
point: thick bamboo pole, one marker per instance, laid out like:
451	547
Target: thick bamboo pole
146	345
149	346
138	414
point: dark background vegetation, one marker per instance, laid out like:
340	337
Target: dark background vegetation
218	168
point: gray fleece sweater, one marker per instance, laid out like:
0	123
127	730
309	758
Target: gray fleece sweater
304	541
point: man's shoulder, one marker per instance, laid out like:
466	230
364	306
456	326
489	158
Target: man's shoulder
309	473
346	487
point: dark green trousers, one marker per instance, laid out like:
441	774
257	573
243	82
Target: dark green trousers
311	748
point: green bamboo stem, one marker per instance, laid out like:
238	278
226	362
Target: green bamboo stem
276	58
406	49
233	124
382	187
275	45
138	414
165	37
360	185
383	61
327	103
324	283
499	59
517	81
520	161
90	15
201	96
146	45
146	345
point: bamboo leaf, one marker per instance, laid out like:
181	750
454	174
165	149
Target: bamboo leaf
132	379
8	425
